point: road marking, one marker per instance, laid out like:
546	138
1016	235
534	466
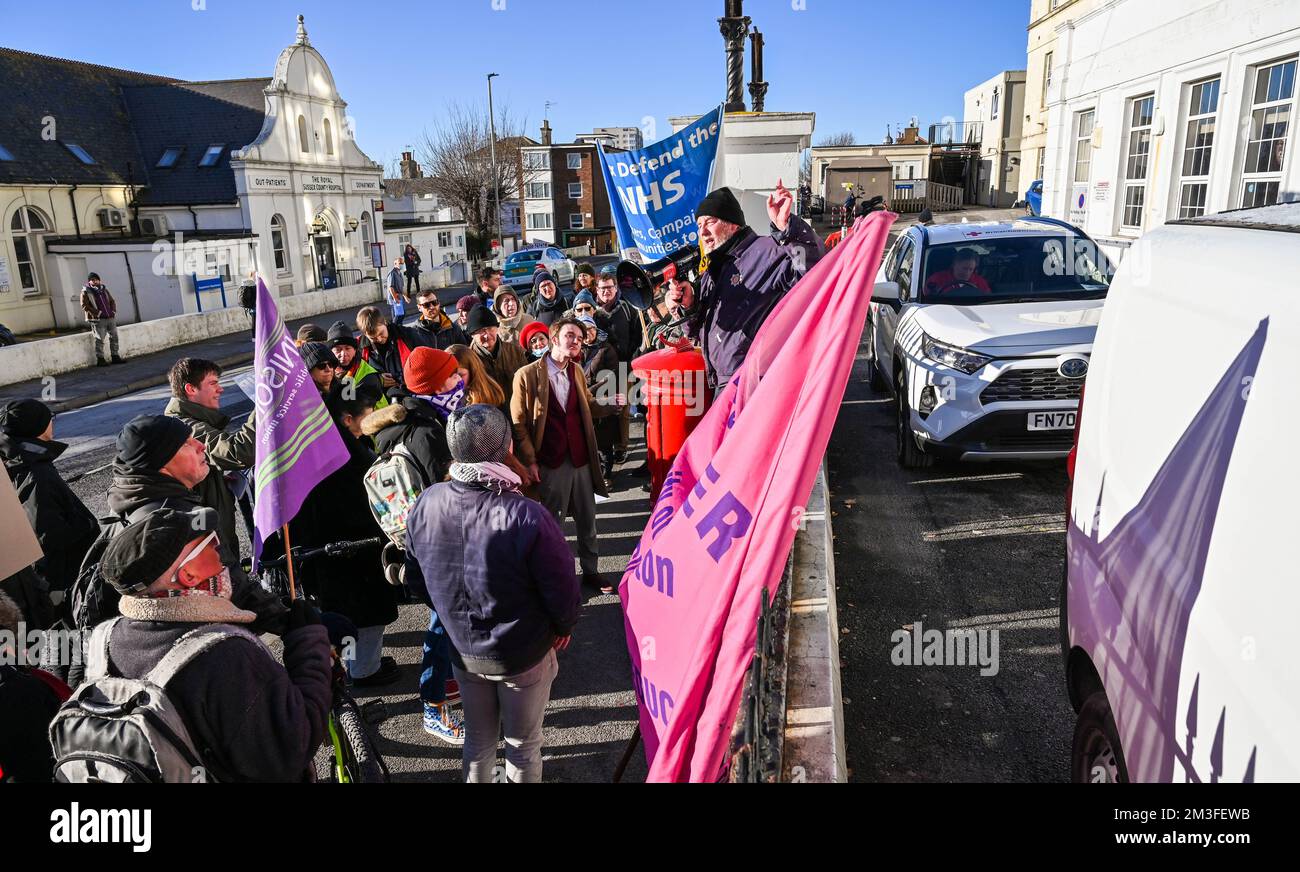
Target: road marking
1002	476
1007	619
1027	525
864	402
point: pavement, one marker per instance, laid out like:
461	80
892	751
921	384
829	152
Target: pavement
956	545
592	713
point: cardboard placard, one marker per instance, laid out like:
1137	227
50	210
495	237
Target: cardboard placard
20	548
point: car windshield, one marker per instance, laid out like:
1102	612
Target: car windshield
992	269
524	256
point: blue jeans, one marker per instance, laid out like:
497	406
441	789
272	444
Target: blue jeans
435	667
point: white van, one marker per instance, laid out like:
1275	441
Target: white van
1181	605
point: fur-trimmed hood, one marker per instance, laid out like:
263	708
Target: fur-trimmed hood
393	413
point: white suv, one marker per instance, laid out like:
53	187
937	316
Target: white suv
983	333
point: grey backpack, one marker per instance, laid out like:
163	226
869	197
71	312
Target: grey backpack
125	730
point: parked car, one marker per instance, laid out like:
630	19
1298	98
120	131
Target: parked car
519	267
1034	198
982	332
1180	596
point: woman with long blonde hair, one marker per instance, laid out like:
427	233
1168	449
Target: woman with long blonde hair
479	386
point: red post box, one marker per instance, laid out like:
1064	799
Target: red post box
676	398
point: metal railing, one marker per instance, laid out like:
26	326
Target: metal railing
758	736
957	133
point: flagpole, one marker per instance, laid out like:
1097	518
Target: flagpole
288	561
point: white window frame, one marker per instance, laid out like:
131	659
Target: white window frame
580	222
1047	78
366	236
572	195
1197	154
537	160
531	188
1083	145
279	253
539	221
1137	160
994	104
30	237
573	160
444	239
1282	105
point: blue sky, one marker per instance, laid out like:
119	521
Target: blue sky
859	64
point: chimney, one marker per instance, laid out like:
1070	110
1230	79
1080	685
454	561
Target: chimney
410	169
546	132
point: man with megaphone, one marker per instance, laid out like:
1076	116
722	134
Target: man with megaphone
743	276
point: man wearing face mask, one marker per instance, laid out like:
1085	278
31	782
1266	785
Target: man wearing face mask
501	359
250	718
746	276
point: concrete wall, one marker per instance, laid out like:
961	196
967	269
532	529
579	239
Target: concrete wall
31	360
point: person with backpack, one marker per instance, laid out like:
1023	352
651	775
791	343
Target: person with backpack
218	706
63	525
196	400
500	576
411	439
338	510
157	466
29	698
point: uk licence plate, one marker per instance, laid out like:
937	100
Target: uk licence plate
1052	420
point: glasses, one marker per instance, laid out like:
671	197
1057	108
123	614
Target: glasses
429	304
584	309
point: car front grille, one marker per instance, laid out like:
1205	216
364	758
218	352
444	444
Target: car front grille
1045	440
1027	385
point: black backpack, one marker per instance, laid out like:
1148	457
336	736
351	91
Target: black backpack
91	600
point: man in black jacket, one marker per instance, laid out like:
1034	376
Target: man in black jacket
158	464
625	335
63	525
250	718
434	327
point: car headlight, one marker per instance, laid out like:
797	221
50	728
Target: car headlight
950	355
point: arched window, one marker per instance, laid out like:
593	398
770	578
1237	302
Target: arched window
365	236
277	244
303	143
27	225
329	138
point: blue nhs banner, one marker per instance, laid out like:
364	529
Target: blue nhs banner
653	191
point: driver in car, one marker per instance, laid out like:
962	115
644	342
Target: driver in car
962	274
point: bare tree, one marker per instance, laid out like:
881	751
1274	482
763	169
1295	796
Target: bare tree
456	154
844	137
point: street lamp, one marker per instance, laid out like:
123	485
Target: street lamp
496	187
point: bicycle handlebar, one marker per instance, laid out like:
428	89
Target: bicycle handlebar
333	549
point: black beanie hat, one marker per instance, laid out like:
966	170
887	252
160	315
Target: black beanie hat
148	442
341	334
140	554
480	317
316	353
25	418
722	204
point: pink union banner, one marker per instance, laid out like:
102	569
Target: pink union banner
721	530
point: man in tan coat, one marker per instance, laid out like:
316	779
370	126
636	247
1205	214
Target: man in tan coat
552	410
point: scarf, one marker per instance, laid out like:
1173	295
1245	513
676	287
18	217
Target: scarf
541	304
209	603
448	401
496	477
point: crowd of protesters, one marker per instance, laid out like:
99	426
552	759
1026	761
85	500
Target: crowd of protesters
511	417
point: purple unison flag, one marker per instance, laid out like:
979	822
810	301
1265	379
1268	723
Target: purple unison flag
297	444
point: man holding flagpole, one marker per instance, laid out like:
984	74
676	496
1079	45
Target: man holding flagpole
743	276
297	444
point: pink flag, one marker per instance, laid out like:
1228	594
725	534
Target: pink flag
723	525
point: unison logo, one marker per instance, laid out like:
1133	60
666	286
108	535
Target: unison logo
102	825
962	646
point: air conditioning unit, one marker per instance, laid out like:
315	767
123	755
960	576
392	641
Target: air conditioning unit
110	219
154	225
